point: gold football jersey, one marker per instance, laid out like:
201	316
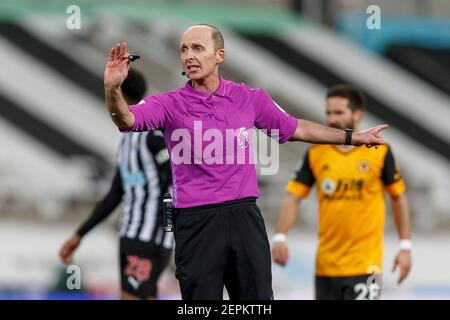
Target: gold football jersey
350	188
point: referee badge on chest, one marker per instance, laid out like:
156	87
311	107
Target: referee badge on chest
243	138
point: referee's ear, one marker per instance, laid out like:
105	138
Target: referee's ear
220	55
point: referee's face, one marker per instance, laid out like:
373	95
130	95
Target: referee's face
199	57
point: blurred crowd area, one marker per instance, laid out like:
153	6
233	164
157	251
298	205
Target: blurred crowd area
58	143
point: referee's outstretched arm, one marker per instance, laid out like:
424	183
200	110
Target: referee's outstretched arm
308	131
116	71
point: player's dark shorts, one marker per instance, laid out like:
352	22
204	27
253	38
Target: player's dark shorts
141	264
223	245
363	287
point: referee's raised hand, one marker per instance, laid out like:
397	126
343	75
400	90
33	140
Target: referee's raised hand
116	70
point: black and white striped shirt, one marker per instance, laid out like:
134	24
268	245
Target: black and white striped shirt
142	178
144	166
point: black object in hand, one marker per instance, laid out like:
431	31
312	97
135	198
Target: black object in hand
133	57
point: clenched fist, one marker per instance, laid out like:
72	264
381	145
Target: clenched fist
280	253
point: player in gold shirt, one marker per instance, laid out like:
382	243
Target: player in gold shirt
350	183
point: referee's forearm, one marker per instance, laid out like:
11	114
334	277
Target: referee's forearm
308	131
118	108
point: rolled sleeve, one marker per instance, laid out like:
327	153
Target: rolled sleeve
270	116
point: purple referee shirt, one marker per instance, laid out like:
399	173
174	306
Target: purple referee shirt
209	169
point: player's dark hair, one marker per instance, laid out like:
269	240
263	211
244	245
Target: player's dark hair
134	87
217	36
355	97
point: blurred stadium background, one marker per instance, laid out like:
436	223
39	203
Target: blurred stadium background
58	144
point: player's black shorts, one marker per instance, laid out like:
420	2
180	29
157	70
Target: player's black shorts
364	287
141	264
223	245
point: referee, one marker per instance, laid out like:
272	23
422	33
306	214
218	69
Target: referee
142	178
220	237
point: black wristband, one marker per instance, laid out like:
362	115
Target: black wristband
348	137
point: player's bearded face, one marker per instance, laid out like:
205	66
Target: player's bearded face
339	115
199	56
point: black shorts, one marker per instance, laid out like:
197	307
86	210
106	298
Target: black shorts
141	264
363	287
223	245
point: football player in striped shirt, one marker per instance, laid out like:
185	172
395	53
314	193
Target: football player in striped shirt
143	176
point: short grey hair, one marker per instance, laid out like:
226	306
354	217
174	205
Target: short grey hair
216	35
